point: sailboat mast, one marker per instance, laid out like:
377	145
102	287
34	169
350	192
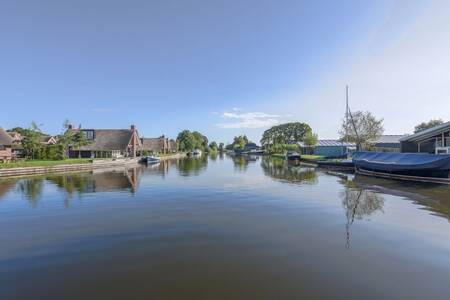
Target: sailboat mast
346	113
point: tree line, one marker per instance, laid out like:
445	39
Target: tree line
33	148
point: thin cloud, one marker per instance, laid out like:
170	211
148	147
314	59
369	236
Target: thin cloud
101	109
248	120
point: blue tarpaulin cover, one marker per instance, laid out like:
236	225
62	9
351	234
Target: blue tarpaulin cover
392	162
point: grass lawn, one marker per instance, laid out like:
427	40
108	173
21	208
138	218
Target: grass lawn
44	163
313	157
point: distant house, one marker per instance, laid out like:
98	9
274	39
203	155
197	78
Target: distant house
104	143
173	145
47	140
333	148
6	142
17	148
17	137
435	140
388	143
155	145
251	147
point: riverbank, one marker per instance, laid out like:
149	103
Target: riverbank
44	163
62	166
58	166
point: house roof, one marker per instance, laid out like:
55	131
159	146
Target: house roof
427	133
334	143
45	139
389	140
108	139
153	144
15	135
172	145
5	138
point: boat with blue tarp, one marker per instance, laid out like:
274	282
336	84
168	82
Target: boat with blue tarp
421	166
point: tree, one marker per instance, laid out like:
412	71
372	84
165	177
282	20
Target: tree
66	139
79	140
30	142
186	141
221	147
287	133
239	142
425	125
213	145
362	128
201	141
310	139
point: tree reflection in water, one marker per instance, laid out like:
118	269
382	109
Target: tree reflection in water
358	203
241	162
192	166
32	189
288	171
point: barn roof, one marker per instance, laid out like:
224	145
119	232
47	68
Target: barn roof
334	143
5	138
108	139
153	144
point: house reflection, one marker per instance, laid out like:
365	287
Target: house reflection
288	171
6	185
97	181
160	169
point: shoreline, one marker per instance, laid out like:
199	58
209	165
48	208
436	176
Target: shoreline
95	164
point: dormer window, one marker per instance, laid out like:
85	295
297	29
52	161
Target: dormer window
89	134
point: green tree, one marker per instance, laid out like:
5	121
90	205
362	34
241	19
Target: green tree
285	133
66	139
186	141
221	147
362	128
425	125
31	143
239	142
79	140
213	145
201	141
310	139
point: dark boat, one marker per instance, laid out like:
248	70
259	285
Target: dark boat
344	165
292	156
421	166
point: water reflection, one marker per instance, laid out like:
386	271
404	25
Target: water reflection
32	189
97	181
358	204
290	171
432	197
241	162
71	184
192	165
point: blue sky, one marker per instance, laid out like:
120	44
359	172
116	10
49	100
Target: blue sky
222	67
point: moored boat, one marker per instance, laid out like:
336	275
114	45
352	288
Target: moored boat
152	159
408	165
292	156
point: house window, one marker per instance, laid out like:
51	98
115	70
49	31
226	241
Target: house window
89	134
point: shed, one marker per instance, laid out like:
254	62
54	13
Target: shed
333	148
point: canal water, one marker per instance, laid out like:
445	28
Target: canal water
222	228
